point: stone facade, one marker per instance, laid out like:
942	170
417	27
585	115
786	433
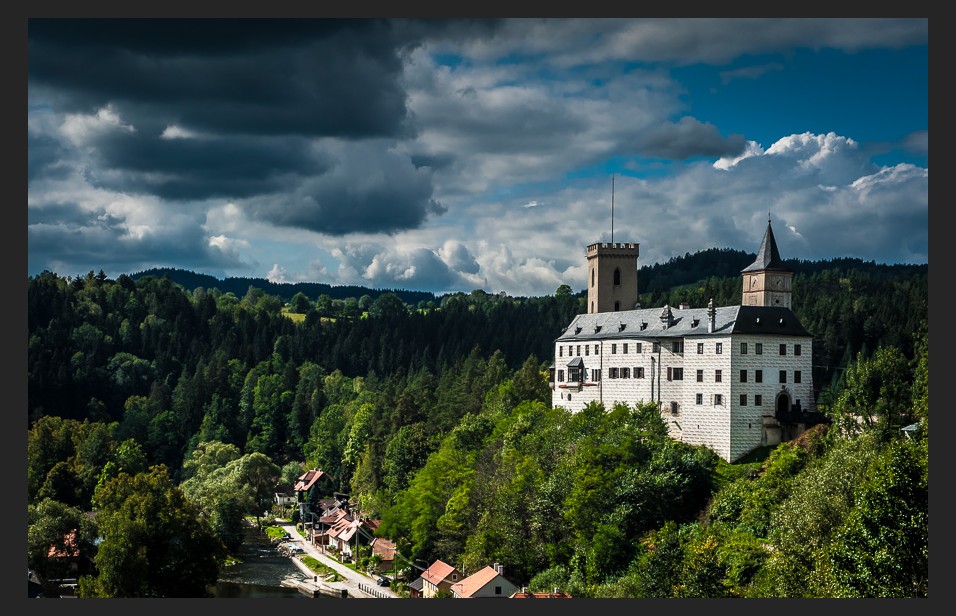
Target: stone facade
722	377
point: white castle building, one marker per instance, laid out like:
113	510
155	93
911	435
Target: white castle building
732	378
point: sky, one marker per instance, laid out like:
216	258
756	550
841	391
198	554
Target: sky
453	155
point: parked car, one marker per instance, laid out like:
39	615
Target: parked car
381	580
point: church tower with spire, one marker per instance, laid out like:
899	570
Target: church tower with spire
766	281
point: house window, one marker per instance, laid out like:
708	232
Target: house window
758	376
743	348
595	374
497	590
454	577
596	350
560	351
783	348
677	346
758	348
572	375
613	349
700	376
700	348
758	399
743	399
700	398
743	376
719	348
625	373
657	347
675	374
579	350
783	376
612	373
675	408
718	400
718	376
637	347
797	349
587	349
797	377
560	376
638	372
625	349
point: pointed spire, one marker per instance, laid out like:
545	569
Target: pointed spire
768	257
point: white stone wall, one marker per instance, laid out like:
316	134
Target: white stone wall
730	429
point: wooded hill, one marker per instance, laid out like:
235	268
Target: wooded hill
437	420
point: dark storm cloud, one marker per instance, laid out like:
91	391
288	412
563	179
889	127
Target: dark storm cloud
43	154
200	168
689	138
320	80
367	189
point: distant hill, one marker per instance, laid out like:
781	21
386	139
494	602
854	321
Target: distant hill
239	286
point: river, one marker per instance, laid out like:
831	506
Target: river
260	574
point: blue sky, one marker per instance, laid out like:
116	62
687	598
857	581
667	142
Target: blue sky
464	154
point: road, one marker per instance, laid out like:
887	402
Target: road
352	580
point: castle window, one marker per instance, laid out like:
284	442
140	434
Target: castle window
625	349
743	376
758	376
560	376
592	282
625	373
700	348
719	348
637	347
612	373
560	351
587	349
743	348
595	374
783	348
675	408
551	375
718	400
783	376
617	276
797	377
700	376
677	346
657	347
797	349
617	306
613	349
743	399
718	376
758	348
700	398
579	350
597	350
675	374
638	372
758	399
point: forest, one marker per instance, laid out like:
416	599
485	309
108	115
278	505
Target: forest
170	412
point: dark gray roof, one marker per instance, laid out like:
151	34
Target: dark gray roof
645	323
768	257
576	363
417	583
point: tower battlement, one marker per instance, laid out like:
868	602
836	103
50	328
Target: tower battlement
624	249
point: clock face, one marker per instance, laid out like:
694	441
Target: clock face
753	281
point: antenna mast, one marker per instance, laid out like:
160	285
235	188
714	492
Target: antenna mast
612	209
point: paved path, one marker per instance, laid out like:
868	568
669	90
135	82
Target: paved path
357	584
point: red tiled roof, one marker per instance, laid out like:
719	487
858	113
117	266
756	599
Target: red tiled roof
540	595
384	548
308	479
70	548
475	582
437	572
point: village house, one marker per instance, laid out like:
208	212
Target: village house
439	576
487	582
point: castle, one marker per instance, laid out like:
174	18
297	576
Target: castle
732	378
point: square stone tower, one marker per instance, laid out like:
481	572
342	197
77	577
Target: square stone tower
612	277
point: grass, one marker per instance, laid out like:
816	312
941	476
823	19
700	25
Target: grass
320	569
295	316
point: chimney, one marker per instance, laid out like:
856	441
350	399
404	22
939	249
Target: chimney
711	316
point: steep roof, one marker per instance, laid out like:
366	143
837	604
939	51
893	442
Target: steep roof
646	323
768	257
384	548
475	582
308	479
437	572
